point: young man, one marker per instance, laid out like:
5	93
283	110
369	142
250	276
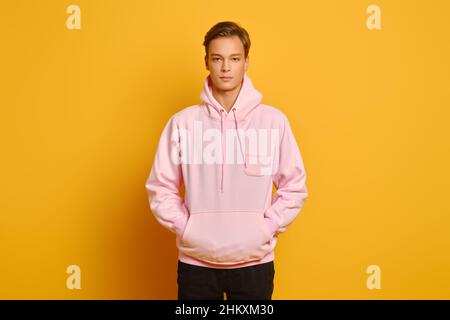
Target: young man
228	151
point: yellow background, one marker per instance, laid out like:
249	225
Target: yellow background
82	111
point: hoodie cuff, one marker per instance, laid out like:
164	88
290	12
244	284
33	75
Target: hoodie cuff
180	224
272	226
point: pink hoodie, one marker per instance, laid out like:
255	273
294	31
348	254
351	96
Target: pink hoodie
227	163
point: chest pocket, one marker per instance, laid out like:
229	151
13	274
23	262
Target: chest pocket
259	165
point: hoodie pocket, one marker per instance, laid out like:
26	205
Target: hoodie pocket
257	168
226	237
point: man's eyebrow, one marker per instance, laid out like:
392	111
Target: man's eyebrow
234	54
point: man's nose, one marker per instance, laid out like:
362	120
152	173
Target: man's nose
225	66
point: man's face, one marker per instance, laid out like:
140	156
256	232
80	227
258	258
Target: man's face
226	59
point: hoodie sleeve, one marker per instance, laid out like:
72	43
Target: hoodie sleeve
290	181
165	179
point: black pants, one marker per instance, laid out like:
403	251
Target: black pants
252	283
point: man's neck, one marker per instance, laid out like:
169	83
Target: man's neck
226	98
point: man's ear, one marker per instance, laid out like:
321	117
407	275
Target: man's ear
247	63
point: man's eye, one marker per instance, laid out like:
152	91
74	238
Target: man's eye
235	59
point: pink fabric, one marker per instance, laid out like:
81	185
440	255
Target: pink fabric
228	217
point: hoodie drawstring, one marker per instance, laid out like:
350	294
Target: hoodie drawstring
221	130
240	144
237	133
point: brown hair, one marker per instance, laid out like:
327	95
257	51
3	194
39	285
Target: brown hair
227	29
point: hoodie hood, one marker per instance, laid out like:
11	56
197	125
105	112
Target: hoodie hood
247	101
